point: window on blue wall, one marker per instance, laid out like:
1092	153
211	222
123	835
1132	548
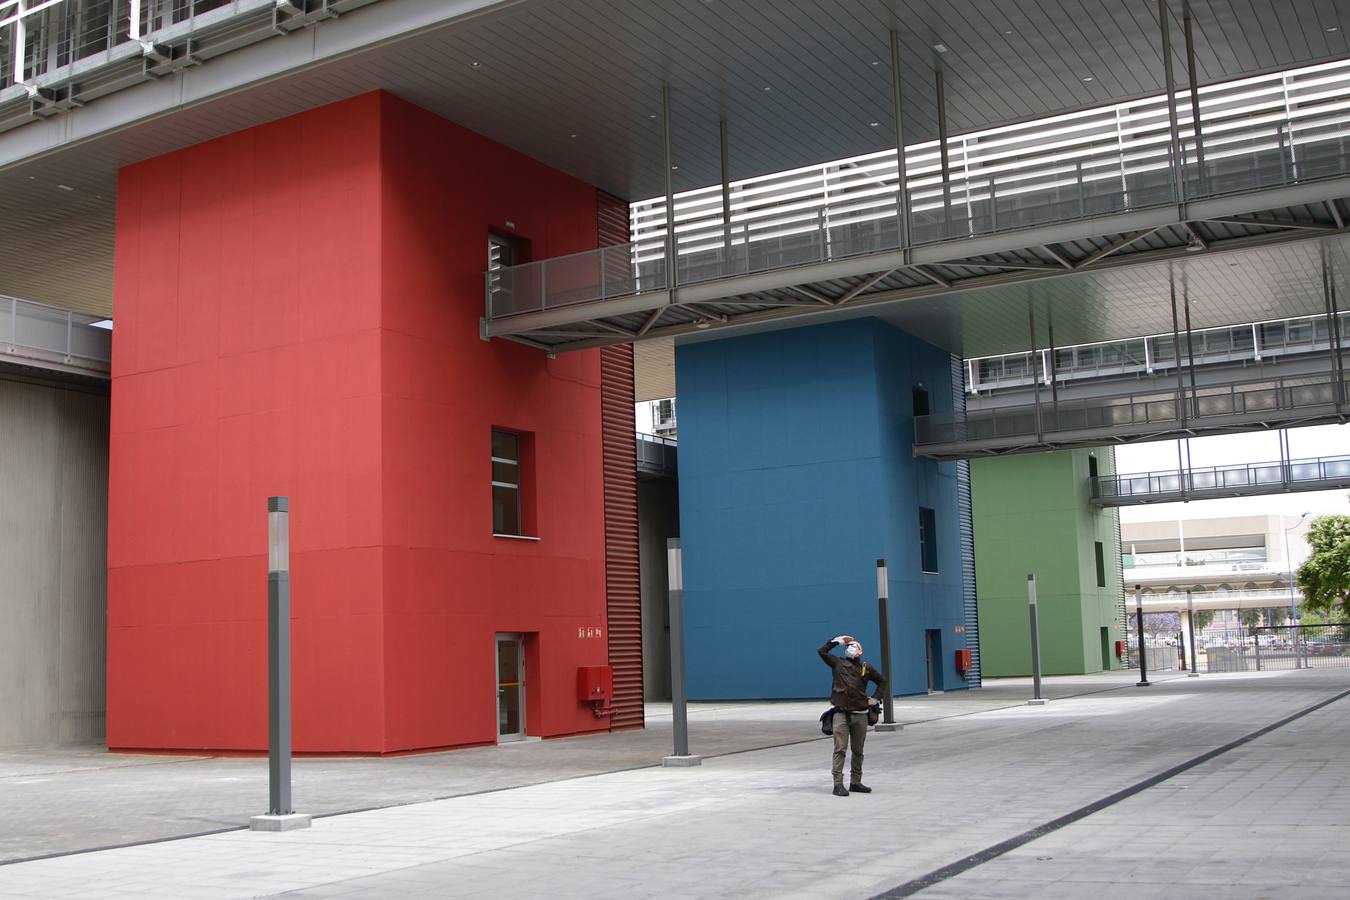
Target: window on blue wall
928	552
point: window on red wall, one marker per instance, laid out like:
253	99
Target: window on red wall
512	483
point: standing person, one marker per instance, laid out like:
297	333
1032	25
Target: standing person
848	695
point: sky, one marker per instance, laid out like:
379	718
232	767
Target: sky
1304	443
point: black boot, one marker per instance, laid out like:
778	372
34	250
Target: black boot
840	791
860	788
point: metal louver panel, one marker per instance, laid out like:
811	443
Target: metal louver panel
623	591
965	514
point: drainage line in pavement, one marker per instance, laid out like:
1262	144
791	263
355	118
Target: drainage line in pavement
909	888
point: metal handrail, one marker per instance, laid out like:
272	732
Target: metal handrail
989	373
1130	413
37	333
1203	479
1274	129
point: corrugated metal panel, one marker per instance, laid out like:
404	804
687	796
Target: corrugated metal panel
965	514
623	586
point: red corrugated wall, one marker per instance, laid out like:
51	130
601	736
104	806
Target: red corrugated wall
622	579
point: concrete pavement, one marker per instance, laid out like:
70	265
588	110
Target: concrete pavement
1262	818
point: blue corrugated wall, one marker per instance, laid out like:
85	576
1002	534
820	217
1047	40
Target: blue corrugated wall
796	475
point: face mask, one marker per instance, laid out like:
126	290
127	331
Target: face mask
854	650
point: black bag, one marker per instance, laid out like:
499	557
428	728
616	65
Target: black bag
827	717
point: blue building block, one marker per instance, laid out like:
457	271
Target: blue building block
796	475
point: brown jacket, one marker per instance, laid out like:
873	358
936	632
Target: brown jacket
849	690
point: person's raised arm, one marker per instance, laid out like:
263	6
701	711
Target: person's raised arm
824	649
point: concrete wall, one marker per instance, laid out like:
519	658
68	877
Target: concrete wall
796	475
53	557
1032	515
658	519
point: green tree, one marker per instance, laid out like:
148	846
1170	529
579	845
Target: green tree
1203	617
1325	577
1249	618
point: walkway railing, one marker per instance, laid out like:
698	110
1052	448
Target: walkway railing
1319	473
47	337
657	455
1150	413
1277	129
1146	355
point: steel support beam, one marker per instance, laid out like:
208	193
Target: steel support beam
672	246
1195	98
1174	137
902	184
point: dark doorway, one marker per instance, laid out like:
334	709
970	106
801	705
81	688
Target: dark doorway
933	650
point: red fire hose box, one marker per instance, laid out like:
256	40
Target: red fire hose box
1120	648
595	684
963	661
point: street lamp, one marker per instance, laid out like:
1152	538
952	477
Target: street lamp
1289	562
1293	608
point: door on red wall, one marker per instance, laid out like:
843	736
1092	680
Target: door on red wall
510	687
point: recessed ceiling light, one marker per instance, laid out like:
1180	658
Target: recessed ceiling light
572	135
1009	31
1087	78
65	187
874	124
475	64
652	116
876	62
673	168
767	89
1332	29
941	48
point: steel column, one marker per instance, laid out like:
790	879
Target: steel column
1333	329
1195	98
1176	352
1035	365
671	247
1050	336
1175	143
20	41
726	198
942	150
1190	348
902	176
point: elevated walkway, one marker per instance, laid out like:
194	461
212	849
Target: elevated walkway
657	457
1107	187
1150	415
1231	353
1207	483
45	339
